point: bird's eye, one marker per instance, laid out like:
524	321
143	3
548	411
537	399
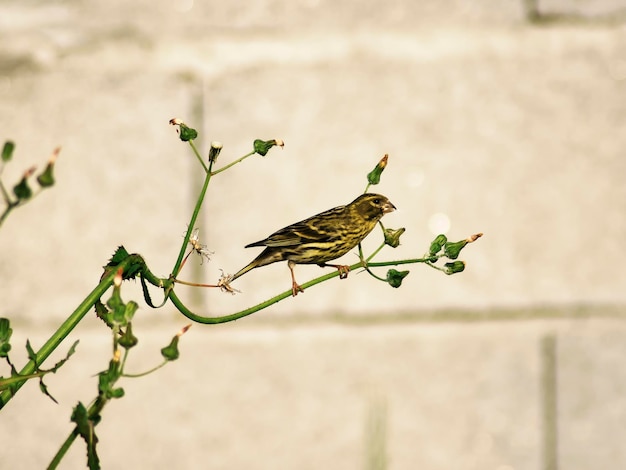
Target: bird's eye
376	201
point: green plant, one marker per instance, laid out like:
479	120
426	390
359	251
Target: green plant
118	315
22	192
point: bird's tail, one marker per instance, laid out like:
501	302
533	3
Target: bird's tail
244	270
267	256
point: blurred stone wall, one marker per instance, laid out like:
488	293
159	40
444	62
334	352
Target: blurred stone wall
493	124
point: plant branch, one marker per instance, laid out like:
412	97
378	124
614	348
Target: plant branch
199	157
194	216
239	160
288	293
62	332
56	460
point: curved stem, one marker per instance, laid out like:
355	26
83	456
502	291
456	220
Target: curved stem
244	313
141	374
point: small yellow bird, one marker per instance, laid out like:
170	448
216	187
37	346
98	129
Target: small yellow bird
321	238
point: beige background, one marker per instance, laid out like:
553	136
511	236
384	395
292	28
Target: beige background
505	127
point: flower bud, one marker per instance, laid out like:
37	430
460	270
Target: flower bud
394	277
216	148
392	236
22	190
128	340
437	244
263	146
116	393
373	177
185	132
170	352
453	249
454	267
46	179
7	151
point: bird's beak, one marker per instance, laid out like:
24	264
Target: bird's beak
388	207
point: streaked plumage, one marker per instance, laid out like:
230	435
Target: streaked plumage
321	238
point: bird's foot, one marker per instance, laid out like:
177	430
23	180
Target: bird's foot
295	288
343	269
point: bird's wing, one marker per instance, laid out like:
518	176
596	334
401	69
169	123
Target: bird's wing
316	229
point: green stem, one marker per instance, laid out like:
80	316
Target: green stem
141	374
376	251
10	205
5	214
398	262
239	160
5	194
243	313
198	156
62	332
371	273
56	460
93	411
14	204
194	216
6	383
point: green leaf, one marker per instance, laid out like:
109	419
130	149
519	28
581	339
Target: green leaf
79	416
42	386
103	313
44	389
7	151
70	352
85	428
120	255
31	353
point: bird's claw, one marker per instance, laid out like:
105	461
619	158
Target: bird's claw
295	288
343	271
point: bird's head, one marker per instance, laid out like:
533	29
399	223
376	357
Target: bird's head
372	206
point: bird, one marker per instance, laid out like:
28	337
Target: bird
322	237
